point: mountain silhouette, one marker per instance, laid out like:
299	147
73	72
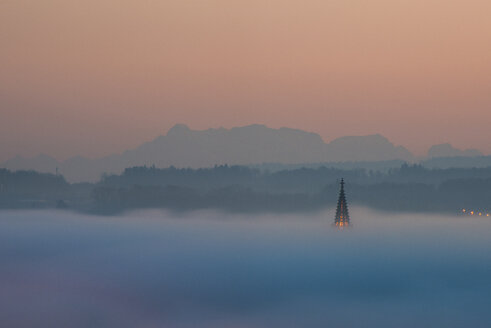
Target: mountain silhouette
447	150
247	145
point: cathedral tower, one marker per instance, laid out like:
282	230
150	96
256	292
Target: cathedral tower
342	216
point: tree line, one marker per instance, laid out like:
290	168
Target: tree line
241	188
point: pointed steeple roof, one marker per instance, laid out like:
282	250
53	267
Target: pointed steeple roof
342	215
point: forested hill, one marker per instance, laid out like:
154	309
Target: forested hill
238	188
295	180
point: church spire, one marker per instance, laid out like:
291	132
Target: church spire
342	216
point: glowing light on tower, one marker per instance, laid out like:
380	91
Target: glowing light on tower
342	216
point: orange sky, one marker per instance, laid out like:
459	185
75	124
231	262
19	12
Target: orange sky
97	77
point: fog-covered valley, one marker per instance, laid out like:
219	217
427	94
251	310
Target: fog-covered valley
216	269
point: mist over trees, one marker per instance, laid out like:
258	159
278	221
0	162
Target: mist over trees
30	189
245	189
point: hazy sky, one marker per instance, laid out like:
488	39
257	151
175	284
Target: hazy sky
97	77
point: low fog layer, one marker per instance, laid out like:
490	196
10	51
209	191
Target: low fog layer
210	269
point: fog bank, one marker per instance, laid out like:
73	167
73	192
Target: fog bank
211	269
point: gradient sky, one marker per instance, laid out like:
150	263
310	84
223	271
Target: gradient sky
97	77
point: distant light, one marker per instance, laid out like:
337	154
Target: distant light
472	212
487	214
463	210
480	213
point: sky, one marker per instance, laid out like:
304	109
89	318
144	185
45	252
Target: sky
94	78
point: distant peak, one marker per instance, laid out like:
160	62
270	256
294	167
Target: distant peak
178	129
250	127
377	136
370	137
445	145
447	150
256	126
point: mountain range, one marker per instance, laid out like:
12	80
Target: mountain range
247	145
